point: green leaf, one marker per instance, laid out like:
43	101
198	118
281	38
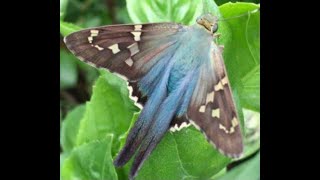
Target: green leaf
250	95
219	174
67	28
109	110
63	156
252	136
70	128
63	8
181	11
242	51
181	155
68	70
90	161
249	170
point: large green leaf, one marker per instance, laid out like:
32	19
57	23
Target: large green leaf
91	161
70	128
182	155
181	11
249	170
109	110
62	158
242	51
250	94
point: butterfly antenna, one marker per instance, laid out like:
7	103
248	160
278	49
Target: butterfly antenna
244	14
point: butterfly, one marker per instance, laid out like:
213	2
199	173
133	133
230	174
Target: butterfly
176	75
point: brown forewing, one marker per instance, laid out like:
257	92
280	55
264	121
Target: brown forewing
124	49
212	108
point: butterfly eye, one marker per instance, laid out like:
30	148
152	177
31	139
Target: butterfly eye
214	28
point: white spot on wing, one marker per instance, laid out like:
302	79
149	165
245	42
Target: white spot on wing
134	98
231	130
90	39
99	48
176	128
136	35
224	80
218	87
210	97
234	122
223	128
134	49
130	90
202	108
115	48
215	113
93	34
129	62
137	27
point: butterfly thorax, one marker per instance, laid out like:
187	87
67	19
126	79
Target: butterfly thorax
209	22
189	58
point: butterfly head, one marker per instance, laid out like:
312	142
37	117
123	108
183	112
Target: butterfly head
209	22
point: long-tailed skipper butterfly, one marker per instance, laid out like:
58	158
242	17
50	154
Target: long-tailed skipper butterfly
175	72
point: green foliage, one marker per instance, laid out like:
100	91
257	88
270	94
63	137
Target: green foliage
249	170
183	154
182	11
63	8
67	28
92	134
242	51
109	110
68	70
90	161
70	128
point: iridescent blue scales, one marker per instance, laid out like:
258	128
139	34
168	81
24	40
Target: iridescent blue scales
176	72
